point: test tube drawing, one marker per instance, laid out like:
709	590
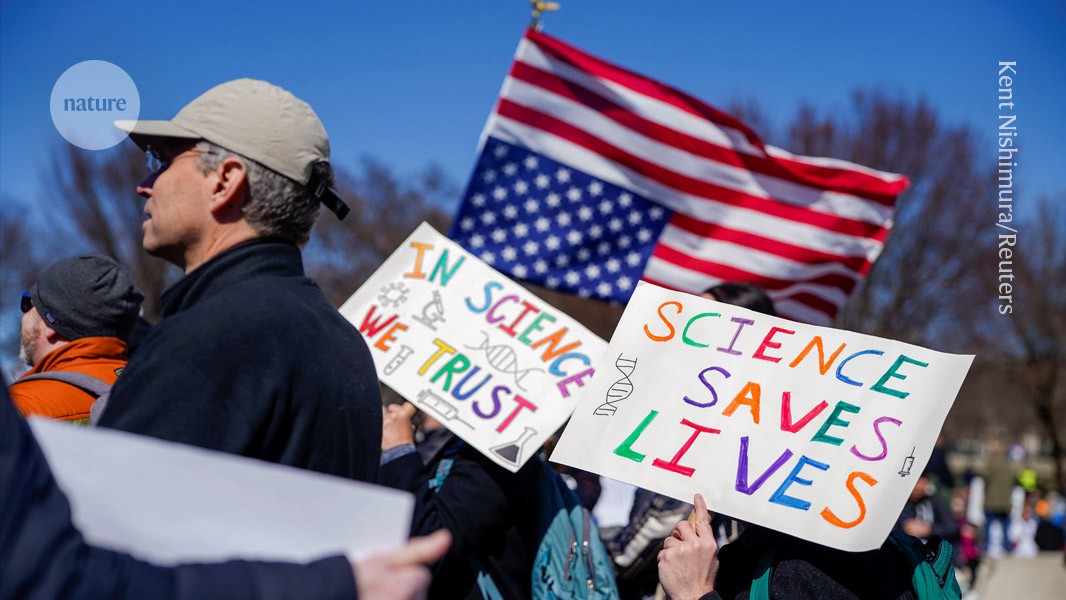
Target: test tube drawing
907	464
441	409
511	451
396	361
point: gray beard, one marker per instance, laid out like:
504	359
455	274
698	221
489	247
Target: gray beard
24	355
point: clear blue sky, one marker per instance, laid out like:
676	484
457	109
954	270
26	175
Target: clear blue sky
411	83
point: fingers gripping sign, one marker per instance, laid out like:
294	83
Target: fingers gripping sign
396	428
688	562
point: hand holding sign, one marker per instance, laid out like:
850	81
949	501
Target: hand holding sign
688	562
396	428
808	430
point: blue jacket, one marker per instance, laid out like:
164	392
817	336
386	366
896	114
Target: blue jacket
43	556
250	358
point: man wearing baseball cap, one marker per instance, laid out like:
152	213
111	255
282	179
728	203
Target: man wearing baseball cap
249	357
76	321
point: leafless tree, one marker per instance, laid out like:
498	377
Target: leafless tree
1034	333
914	289
96	202
23	255
384	211
934	283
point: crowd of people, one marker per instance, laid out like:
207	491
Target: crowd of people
250	358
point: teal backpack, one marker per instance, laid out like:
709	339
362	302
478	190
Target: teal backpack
933	575
571	561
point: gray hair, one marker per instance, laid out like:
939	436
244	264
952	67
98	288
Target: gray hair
276	206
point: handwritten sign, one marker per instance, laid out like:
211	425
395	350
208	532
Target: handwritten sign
171	503
812	431
498	366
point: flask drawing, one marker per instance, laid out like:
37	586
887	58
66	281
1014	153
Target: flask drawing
511	451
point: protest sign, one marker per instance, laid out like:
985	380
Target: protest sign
816	432
171	503
495	364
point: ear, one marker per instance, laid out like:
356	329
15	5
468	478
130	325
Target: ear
229	186
50	335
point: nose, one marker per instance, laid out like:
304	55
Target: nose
144	188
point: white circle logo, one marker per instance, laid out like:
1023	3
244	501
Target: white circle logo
88	98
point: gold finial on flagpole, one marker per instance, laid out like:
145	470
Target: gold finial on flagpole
540	6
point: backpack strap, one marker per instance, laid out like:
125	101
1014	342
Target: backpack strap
760	586
444	467
93	386
99	389
933	574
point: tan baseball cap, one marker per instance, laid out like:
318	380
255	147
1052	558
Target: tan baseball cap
255	119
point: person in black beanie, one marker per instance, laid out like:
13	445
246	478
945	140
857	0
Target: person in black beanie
76	323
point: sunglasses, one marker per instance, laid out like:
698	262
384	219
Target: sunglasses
27	302
160	159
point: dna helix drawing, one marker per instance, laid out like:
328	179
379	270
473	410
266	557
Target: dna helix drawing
621	389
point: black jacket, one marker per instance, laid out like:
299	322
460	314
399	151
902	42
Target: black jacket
43	556
250	358
803	569
487	509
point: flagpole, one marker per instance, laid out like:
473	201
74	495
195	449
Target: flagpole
538	7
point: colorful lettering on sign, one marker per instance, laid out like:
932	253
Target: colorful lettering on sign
893	372
834	420
441	273
674	464
748	396
710	388
625	449
786	413
742	469
880	439
780	496
509	313
829	516
372	326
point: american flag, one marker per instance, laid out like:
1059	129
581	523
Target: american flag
592	177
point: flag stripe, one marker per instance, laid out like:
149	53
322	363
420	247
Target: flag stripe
765	243
548	144
592	177
748	258
733	273
757	175
851	178
678	181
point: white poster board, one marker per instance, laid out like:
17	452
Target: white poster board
170	503
498	366
812	431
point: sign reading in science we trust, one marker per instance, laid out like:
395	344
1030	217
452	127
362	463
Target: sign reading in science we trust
498	366
812	431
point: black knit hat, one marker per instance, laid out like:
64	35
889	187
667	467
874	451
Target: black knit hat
87	296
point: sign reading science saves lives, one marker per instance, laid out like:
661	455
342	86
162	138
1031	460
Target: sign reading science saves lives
495	364
816	432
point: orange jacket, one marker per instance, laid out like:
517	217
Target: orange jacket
101	357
